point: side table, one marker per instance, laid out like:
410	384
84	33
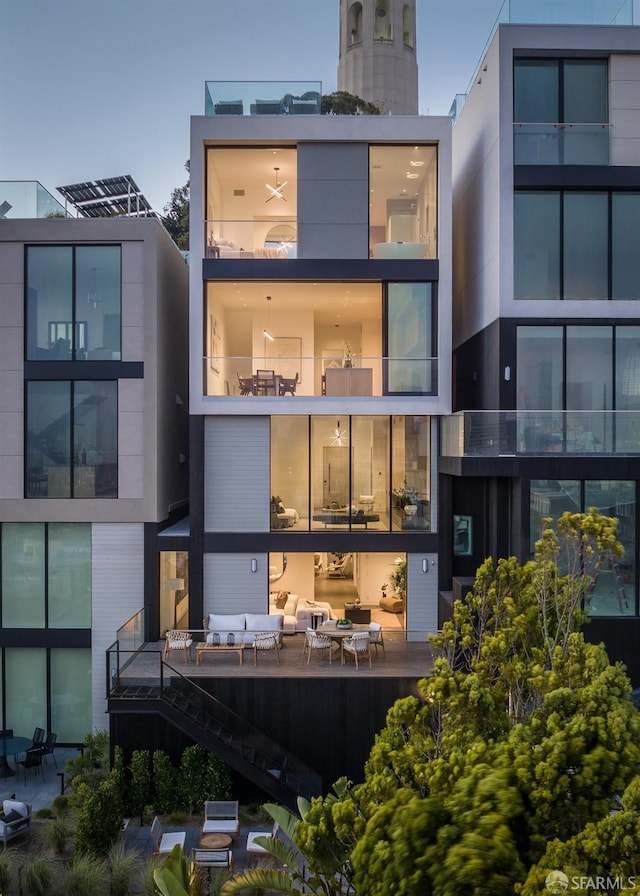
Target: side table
215	841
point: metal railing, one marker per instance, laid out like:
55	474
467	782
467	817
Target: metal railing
561	143
512	433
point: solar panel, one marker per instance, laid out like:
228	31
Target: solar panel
109	197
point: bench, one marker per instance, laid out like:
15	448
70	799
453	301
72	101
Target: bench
221	817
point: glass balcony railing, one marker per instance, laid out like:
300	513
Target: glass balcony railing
262	98
287	376
515	433
259	237
28	199
557	143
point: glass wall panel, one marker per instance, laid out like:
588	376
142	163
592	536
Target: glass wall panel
290	473
411	338
98	302
586	91
614	592
331	457
539	368
536	90
49	303
23	563
625	258
410	482
174	589
589	363
586	246
627	354
26	689
69	575
370	474
550	498
71	694
95	439
403	210
536	262
48	439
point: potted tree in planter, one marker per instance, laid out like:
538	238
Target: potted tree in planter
398	578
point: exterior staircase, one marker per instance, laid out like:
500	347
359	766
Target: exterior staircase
208	721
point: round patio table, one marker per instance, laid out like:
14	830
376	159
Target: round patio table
11	746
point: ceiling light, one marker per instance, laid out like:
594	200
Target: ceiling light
416	163
268	335
266	330
337	434
93	293
412	175
276	192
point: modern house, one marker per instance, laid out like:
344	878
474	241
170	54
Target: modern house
94	422
546	205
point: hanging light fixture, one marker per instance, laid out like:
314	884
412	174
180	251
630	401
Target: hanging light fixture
276	192
337	434
266	331
93	293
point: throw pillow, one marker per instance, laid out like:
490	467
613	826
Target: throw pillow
12	816
280	508
281	600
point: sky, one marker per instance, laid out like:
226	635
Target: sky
92	89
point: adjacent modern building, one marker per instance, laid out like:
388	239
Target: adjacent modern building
546	209
94	422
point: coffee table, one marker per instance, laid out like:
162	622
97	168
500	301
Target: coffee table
215	841
203	648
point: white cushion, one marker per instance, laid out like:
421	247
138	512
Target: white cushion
262	622
169	840
221	826
229	622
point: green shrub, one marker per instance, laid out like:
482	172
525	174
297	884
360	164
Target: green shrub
218	779
57	833
148	883
177	817
100	820
200	778
6	871
140	794
85	876
94	757
124	866
165	783
61	805
38	875
119	776
45	812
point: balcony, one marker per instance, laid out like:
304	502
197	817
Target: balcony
262	98
287	376
28	199
558	143
540	433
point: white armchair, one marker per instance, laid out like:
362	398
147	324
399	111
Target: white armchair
178	640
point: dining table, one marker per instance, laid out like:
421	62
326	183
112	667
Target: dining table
11	746
338	633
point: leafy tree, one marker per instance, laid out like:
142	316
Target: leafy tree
165	783
140	793
176	213
100	820
523	733
343	103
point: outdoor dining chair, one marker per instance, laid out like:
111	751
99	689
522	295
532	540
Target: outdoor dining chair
315	641
178	640
48	746
265	641
359	644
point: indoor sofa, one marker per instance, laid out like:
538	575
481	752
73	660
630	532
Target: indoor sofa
239	628
297	612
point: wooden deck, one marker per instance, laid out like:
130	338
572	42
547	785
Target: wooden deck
402	659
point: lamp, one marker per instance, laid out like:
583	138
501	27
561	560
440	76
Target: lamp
266	332
254	564
93	293
276	192
337	434
631	372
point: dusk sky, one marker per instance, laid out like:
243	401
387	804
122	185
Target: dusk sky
94	89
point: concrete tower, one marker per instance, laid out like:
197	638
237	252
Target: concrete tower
378	53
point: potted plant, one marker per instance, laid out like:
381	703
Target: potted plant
399	577
343	623
348	355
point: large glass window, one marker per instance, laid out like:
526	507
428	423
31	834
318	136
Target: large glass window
587	236
551	93
411	335
23	575
403	211
70	694
25	678
72	439
625	260
361	472
539	368
69	575
73	301
614	592
536	257
46	566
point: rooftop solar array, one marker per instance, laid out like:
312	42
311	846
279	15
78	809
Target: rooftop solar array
108	198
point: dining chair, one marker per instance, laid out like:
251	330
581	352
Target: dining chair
358	644
265	641
32	759
288	384
245	384
375	636
265	382
178	640
315	641
38	737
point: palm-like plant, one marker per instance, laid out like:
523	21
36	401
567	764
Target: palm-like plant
293	878
177	876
